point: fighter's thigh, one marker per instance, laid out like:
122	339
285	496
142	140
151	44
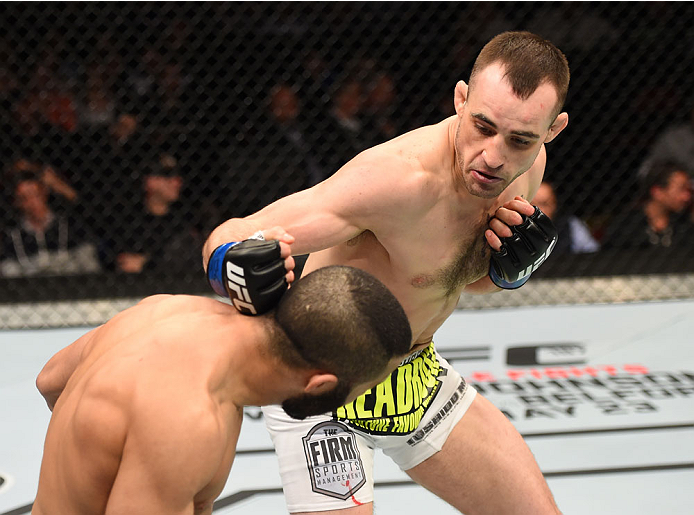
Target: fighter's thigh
325	466
485	467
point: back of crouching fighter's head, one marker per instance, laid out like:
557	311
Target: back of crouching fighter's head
344	321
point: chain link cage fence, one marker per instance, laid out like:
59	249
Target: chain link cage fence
130	130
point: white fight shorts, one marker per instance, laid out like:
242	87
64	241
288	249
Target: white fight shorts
326	462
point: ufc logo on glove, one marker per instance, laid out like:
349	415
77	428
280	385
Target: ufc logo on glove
236	283
537	262
251	273
510	267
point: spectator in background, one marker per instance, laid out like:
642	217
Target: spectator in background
113	156
10	93
158	233
319	79
97	108
47	103
281	149
113	67
291	137
59	190
342	138
574	234
380	123
141	82
660	220
174	95
488	20
440	108
161	89
43	240
676	145
576	26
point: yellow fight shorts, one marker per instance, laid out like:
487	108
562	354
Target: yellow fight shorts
326	462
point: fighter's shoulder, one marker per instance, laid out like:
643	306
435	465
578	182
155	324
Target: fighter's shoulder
154	299
395	164
165	304
384	158
148	310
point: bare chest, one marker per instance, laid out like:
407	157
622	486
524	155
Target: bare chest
448	259
426	267
452	273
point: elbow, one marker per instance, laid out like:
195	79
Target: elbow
46	386
43	382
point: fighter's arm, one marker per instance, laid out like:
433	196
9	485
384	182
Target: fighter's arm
57	371
170	458
55	374
357	197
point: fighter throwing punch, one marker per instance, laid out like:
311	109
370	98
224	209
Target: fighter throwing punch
434	213
147	408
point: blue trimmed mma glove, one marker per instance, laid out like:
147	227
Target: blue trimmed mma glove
523	252
251	273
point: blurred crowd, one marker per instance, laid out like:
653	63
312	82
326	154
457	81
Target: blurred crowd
118	161
95	171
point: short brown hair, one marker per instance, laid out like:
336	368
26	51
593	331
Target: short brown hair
343	320
529	61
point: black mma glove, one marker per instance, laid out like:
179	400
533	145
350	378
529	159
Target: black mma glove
251	273
524	251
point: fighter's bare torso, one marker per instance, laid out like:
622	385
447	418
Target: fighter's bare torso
428	244
128	398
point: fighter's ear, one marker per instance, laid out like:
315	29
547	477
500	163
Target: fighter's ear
460	97
320	382
560	123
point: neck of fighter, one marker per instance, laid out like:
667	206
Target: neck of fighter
255	375
456	172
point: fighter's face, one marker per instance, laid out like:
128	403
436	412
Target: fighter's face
499	135
309	405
